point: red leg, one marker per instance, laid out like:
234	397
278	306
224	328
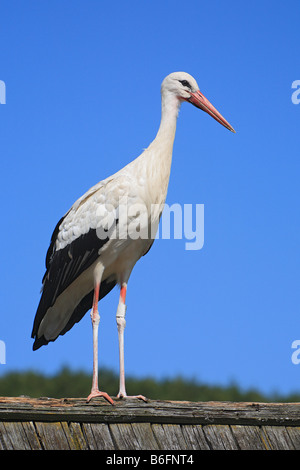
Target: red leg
95	323
121	323
121	327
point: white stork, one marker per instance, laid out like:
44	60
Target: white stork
93	247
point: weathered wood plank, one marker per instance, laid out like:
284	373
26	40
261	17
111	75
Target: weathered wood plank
195	437
160	437
278	437
124	437
77	410
14	436
175	436
143	432
294	433
31	435
98	436
169	436
250	438
73	435
5	441
220	437
52	436
89	436
78	439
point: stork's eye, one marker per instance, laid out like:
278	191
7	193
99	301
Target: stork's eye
185	83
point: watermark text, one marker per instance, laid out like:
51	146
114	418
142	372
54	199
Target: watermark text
296	354
296	94
2	92
2	352
138	221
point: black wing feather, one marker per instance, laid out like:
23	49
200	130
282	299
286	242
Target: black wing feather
62	268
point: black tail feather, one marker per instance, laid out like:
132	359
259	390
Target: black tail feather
79	312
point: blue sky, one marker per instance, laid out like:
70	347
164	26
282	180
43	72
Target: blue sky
82	100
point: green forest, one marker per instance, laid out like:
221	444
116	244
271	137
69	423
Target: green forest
68	383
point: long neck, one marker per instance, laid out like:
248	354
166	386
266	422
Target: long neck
166	133
159	153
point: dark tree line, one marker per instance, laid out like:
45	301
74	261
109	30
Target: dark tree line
68	383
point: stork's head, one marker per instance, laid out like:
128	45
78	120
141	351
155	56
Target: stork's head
185	87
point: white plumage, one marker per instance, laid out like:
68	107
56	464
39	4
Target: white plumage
97	243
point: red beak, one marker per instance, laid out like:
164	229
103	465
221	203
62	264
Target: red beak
198	100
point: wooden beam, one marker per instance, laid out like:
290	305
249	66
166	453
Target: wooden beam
155	411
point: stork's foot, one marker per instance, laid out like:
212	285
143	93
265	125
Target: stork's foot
123	396
97	393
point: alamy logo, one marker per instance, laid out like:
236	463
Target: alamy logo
295	356
296	94
2	92
138	221
2	352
